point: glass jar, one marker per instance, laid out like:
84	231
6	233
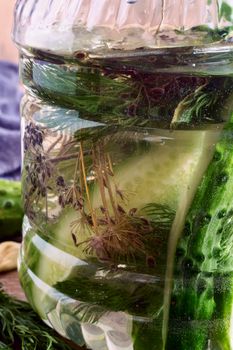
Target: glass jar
128	171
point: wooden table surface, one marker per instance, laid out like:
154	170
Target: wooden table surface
12	286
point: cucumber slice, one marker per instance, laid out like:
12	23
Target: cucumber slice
94	337
54	265
55	322
44	265
68	313
42	297
162	174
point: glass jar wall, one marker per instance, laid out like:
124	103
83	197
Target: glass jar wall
127	177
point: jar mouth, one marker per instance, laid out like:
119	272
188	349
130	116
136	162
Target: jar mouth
119	25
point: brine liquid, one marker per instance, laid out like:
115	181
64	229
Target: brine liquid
114	151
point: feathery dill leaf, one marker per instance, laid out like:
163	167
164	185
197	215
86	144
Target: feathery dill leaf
22	328
99	296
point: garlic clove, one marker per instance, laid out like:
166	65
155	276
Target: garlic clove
8	255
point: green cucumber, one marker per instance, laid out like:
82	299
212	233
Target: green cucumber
204	252
11	213
221	333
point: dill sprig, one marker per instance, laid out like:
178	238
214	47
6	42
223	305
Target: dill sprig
109	92
21	328
117	232
205	104
114	292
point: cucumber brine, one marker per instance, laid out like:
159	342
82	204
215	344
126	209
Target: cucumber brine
127	190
